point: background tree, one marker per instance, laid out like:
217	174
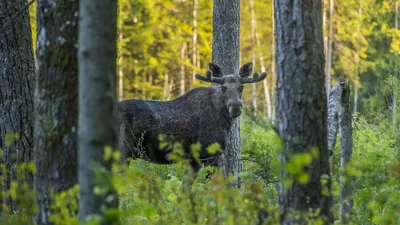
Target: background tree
98	126
56	108
302	109
17	73
225	52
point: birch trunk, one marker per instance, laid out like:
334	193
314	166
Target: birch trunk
273	66
395	72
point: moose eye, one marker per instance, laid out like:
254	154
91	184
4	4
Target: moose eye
241	88
223	88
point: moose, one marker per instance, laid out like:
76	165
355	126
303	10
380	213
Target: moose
202	115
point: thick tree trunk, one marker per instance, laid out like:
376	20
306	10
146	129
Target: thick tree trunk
56	102
17	75
329	53
98	125
346	149
302	108
182	70
225	52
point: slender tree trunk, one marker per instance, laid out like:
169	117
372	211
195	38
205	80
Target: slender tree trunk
182	70
273	65
268	104
346	146
333	116
330	50
225	52
302	109
194	47
98	125
355	99
56	102
395	72
171	85
165	91
17	75
120	65
253	60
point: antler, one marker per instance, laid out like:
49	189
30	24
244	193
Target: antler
210	77
254	79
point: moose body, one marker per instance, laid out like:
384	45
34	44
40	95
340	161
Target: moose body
202	115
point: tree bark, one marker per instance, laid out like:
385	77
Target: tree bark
225	52
346	150
273	66
253	60
98	126
56	102
120	64
302	108
395	72
330	41
268	104
17	75
194	47
182	70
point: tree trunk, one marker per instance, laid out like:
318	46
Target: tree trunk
253	60
120	65
395	73
302	109
182	70
194	47
329	59
166	88
225	52
346	149
17	75
273	65
355	99
98	125
268	104
56	102
333	116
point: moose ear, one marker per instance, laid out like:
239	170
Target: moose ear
217	71
246	69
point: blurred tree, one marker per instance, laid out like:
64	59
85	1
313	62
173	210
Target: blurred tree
302	111
56	102
97	125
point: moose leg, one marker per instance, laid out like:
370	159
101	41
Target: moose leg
190	174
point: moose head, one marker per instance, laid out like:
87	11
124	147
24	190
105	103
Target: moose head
232	85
